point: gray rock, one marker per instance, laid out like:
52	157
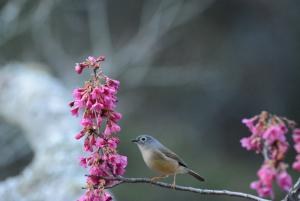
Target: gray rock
37	103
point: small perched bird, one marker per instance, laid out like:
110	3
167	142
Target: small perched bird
161	159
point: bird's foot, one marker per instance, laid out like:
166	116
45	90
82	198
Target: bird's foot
155	179
173	185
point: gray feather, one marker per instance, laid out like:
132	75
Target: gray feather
167	152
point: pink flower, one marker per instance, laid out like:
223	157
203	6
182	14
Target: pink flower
77	93
79	135
250	122
83	162
112	143
97	98
261	189
97	107
284	180
92	140
96	93
118	163
78	68
115	128
246	143
251	143
269	138
86	121
107	130
87	146
274	133
75	111
296	131
266	175
100	142
297	147
99	121
114	83
88	103
296	138
79	103
92	62
100	58
296	164
115	116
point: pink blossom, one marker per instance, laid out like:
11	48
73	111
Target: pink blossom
107	130
92	140
114	83
251	143
296	138
96	93
296	164
296	131
113	142
266	175
248	123
83	162
284	180
93	62
75	111
88	103
246	143
100	58
97	107
281	150
98	101
118	163
100	142
86	121
274	133
79	135
297	147
262	190
87	146
115	116
268	136
77	93
115	128
80	103
99	121
78	68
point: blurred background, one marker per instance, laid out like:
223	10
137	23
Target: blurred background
190	71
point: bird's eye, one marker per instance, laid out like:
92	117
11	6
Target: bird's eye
143	139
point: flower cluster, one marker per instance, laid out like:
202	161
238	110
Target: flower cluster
296	138
269	138
97	101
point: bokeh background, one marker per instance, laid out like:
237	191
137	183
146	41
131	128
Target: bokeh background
190	71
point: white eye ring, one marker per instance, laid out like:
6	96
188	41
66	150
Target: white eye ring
143	139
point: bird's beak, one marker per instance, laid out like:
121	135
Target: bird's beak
134	140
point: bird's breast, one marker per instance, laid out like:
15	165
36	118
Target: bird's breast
160	163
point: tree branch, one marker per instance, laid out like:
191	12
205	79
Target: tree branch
294	193
183	188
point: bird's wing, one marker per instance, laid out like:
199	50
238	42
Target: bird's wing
167	152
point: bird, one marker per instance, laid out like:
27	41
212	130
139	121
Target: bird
162	160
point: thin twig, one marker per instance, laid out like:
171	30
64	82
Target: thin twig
294	193
184	188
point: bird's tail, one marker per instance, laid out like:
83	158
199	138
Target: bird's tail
196	175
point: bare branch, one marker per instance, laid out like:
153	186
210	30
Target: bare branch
183	188
294	193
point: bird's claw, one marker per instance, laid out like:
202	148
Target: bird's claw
155	179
